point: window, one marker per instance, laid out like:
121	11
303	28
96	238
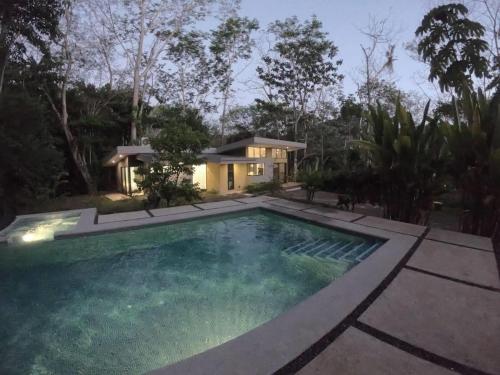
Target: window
256	152
279	153
255	169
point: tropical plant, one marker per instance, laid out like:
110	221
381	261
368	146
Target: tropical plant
181	139
408	158
474	144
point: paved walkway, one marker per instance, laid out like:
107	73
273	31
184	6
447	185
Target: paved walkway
437	313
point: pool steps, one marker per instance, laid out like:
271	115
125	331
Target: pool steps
336	250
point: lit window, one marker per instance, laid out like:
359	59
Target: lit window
279	153
255	169
256	152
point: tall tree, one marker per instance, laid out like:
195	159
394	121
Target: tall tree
143	29
378	58
24	24
301	62
184	76
453	46
65	52
230	43
30	164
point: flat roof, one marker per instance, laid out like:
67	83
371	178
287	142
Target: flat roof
211	154
262	142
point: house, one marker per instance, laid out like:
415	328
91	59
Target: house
225	169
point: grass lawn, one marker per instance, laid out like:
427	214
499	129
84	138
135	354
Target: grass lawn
105	205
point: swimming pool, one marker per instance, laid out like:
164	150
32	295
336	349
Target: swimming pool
129	302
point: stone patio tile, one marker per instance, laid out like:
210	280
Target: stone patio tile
220	204
173	210
290	204
357	353
260	198
459	238
453	320
392	225
334	214
459	262
122	216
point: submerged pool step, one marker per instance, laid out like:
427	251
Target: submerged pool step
335	250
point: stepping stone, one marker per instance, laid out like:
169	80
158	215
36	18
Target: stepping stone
259	199
334	214
357	353
173	210
458	238
475	266
290	204
221	204
453	320
392	225
123	216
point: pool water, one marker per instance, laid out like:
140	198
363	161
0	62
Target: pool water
129	302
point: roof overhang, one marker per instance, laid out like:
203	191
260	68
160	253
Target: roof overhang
262	142
227	159
123	151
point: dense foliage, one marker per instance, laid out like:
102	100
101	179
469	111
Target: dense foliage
181	138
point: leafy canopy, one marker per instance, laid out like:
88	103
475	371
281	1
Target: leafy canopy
302	60
453	45
181	139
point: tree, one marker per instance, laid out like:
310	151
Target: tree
374	68
30	164
229	43
301	62
57	96
453	46
99	120
178	145
25	24
184	77
142	30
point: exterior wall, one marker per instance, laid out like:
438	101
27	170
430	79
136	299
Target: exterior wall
240	177
213	177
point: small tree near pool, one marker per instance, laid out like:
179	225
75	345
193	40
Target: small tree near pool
181	139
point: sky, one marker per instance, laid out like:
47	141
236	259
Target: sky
342	20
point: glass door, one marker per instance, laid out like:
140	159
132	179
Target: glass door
230	177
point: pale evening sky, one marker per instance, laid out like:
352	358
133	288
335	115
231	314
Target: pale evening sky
343	21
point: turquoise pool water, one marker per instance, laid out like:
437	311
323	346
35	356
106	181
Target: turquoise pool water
128	302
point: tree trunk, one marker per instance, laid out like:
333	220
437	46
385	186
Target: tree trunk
63	114
3	66
137	75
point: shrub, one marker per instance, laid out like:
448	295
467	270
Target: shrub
264	187
312	182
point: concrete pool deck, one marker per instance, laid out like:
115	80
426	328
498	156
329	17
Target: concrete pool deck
426	302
